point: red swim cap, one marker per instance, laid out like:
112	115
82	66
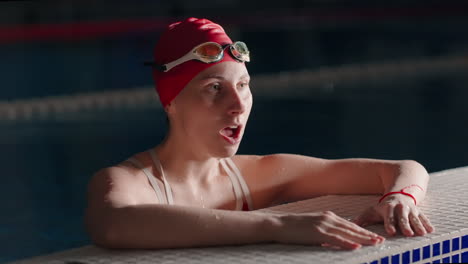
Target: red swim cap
178	39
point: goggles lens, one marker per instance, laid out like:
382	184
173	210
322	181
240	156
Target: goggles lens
210	52
240	51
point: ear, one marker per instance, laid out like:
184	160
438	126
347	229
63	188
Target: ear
170	108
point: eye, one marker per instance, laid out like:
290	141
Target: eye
243	84
215	87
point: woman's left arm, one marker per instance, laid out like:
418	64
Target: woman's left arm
402	185
405	184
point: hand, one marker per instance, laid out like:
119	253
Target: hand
397	211
325	228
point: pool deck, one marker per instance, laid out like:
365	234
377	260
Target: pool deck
445	205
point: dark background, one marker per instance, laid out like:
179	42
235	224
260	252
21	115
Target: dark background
332	79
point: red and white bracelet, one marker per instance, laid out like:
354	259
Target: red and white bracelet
402	191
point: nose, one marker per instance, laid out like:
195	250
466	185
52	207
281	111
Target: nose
237	103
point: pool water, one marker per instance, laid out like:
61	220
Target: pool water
47	164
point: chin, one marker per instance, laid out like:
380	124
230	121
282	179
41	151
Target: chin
227	152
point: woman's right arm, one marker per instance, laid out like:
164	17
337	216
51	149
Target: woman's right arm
116	219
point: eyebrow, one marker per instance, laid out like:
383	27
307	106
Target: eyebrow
212	77
222	78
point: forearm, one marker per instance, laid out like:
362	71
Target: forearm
409	175
160	226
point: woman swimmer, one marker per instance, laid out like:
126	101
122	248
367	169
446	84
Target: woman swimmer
193	190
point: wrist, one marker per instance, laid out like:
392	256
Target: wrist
395	196
271	225
402	192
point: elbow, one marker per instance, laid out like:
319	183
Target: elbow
413	167
102	233
105	238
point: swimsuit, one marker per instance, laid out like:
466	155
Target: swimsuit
241	191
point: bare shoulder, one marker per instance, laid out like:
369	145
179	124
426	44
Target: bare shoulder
112	177
275	176
247	161
257	165
273	162
105	183
119	185
122	175
269	175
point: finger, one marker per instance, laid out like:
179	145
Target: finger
330	246
347	225
426	223
336	240
417	225
361	238
402	212
389	221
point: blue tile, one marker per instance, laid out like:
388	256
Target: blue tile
456	258
464	257
384	260
405	259
436	261
446	246
426	252
436	249
446	260
455	244
375	262
416	254
465	241
396	259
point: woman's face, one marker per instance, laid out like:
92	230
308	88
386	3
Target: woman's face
211	112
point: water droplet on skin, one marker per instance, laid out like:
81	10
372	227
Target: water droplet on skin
202	202
284	172
281	170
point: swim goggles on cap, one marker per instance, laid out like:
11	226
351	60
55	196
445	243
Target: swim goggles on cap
208	52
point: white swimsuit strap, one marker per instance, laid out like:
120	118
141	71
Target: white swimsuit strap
245	188
157	163
235	184
150	176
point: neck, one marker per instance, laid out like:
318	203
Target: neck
183	163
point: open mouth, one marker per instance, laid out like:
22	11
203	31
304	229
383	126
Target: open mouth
231	133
